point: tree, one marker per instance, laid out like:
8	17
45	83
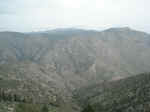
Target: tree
88	109
44	108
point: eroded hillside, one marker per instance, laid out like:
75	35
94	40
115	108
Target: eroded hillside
49	66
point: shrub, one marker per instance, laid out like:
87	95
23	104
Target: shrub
88	109
22	107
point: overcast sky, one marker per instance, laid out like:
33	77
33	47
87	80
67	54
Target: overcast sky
33	15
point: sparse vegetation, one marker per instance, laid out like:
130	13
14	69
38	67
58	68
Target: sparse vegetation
126	95
43	71
26	107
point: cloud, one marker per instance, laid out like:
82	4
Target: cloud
27	15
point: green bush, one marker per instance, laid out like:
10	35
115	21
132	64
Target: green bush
44	109
22	107
88	109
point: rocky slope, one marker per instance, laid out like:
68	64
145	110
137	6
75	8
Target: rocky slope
48	66
126	95
78	56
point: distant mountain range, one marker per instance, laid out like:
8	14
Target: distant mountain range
49	66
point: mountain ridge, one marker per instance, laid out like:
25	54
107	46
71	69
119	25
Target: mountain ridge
61	62
78	29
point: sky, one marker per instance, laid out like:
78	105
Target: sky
35	15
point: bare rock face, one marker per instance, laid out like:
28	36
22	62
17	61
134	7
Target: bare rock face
61	61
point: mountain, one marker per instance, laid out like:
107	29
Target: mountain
47	67
126	95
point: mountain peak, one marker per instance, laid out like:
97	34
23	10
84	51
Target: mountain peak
119	29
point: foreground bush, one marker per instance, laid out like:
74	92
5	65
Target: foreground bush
88	109
23	107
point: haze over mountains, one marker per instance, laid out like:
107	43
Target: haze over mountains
49	66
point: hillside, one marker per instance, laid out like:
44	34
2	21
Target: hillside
126	95
48	67
77	57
